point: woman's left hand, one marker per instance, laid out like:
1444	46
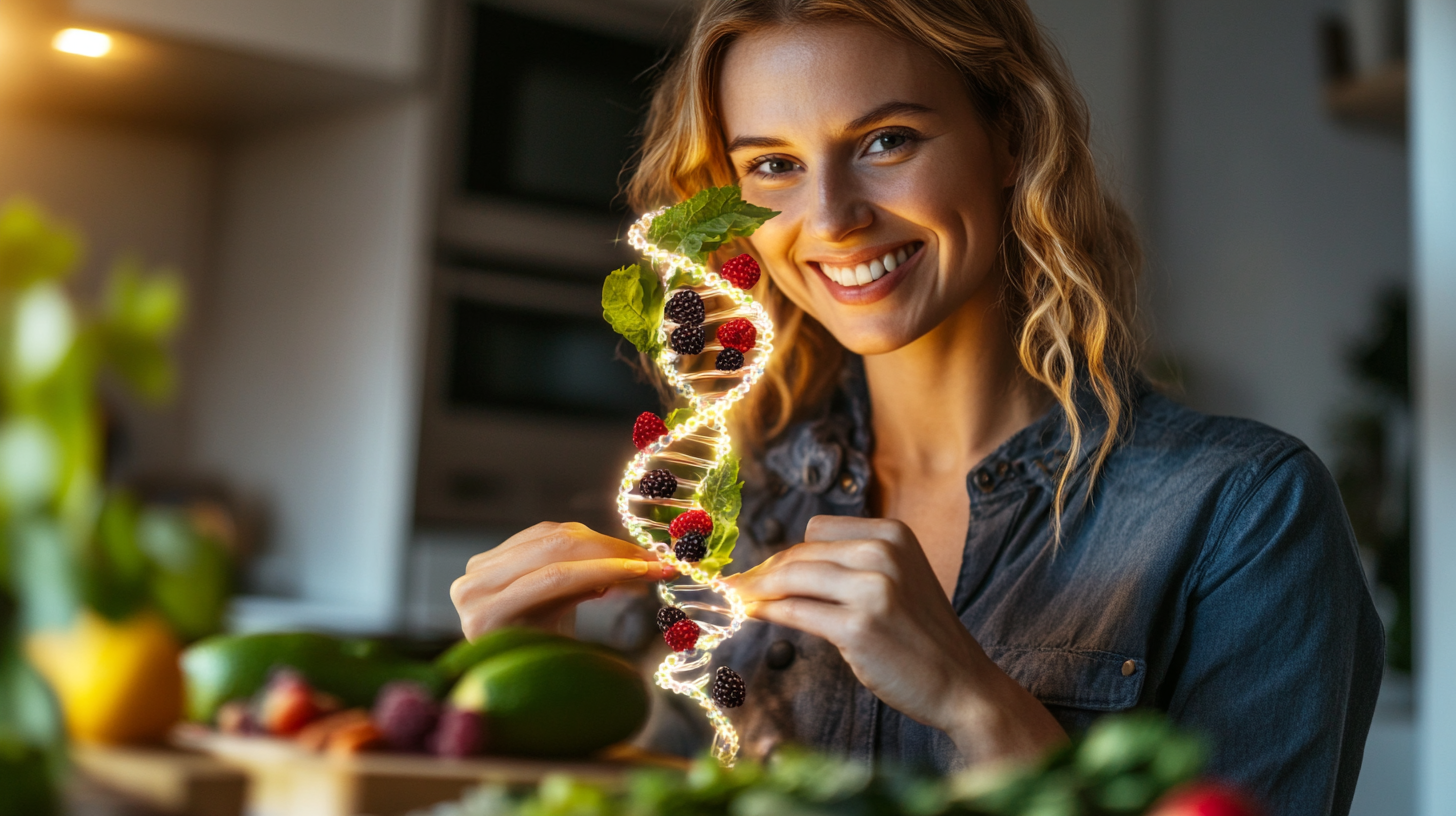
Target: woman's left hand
866	586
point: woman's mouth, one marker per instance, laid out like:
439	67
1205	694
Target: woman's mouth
868	280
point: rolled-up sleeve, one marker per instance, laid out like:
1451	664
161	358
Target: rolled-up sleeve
1282	650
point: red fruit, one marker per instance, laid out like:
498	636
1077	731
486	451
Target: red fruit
287	704
459	734
1206	799
682	636
648	428
693	521
737	334
741	271
405	714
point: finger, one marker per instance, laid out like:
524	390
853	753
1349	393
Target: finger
548	543
482	606
865	554
819	618
821	580
835	528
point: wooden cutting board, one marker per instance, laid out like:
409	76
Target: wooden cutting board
286	780
161	780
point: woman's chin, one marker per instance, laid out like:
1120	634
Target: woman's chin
868	341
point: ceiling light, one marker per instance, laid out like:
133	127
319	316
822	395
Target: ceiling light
83	42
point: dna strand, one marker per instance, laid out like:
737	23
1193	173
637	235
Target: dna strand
691	450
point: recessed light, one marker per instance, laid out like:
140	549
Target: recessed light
82	42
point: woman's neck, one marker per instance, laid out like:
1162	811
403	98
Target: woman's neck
946	401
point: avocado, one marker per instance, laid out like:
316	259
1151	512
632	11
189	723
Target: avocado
458	659
554	700
231	667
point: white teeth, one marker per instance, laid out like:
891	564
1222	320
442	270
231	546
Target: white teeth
889	262
901	254
843	276
877	270
862	274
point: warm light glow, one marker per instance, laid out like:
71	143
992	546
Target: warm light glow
686	673
82	42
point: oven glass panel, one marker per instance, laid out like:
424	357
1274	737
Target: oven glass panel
515	359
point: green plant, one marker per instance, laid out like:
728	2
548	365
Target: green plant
66	539
1123	765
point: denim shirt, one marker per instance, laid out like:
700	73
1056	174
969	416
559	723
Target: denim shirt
1213	575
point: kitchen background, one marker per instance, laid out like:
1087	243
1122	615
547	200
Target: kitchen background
392	217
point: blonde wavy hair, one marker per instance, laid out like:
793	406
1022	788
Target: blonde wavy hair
1070	254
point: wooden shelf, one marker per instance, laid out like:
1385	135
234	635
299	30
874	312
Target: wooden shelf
1375	102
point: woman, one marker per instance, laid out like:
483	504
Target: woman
971	527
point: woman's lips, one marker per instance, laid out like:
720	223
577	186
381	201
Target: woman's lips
843	284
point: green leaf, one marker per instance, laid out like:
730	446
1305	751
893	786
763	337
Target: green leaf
44	579
677	416
32	247
148	305
190	580
632	304
115	572
721	494
720	547
706	221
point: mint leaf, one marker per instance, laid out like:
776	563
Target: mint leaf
720	547
706	221
677	416
632	304
720	493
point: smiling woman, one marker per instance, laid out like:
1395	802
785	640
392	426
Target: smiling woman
969	525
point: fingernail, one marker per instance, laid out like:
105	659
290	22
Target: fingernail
638	567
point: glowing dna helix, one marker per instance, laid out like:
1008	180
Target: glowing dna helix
694	447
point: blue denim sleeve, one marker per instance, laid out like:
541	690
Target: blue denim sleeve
1282	650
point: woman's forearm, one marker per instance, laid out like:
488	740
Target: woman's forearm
993	719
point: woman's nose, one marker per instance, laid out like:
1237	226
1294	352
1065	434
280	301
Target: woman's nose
839	208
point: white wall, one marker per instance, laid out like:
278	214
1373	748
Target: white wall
309	391
1271	227
125	191
1433	171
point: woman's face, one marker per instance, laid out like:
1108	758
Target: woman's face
889	183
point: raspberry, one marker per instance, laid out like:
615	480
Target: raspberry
737	333
667	616
693	521
728	688
741	271
682	636
688	339
459	734
405	714
691	547
658	484
647	429
729	360
685	308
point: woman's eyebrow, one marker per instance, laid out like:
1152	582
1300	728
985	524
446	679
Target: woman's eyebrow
874	117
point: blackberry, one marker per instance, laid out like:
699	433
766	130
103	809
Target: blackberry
688	339
729	360
667	616
691	547
686	308
658	484
729	690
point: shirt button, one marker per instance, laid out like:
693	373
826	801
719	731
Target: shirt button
984	480
780	655
1129	668
848	483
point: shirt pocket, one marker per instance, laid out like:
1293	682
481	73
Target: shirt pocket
1076	685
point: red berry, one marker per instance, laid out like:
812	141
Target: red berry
682	636
405	713
648	429
693	521
738	334
741	271
287	704
1206	799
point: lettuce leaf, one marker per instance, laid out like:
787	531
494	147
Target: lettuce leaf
632	304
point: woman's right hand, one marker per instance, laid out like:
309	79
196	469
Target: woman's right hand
538	576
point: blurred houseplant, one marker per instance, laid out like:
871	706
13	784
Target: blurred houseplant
95	589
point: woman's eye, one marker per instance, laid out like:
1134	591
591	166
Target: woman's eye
774	167
885	142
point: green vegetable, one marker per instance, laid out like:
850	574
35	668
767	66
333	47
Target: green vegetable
551	700
232	667
464	655
706	221
632	304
